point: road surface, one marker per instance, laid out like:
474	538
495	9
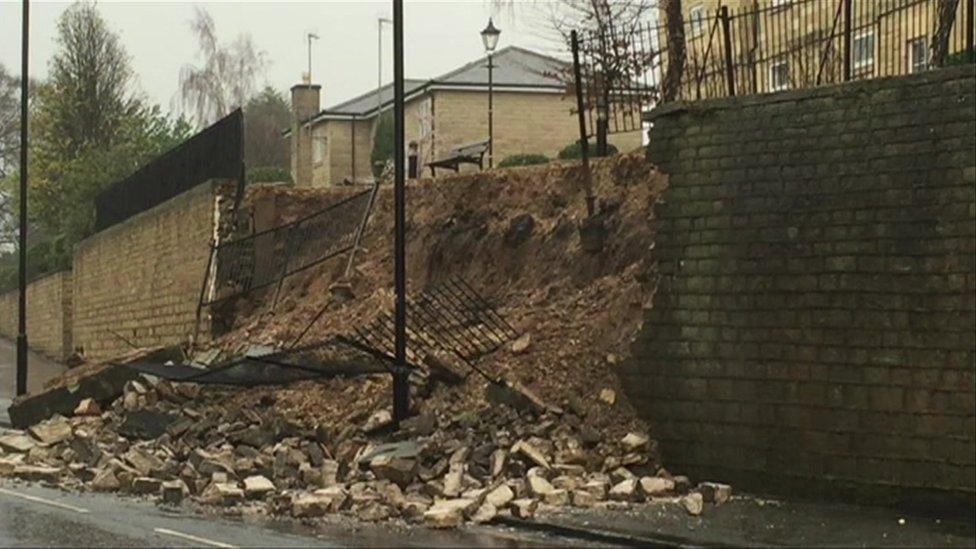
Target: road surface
32	515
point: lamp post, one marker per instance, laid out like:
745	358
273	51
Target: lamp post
401	373
22	303
311	36
489	36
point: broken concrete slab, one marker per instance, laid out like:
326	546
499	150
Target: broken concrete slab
531	452
656	486
257	487
145	424
146	485
396	469
51	431
174	491
40	473
714	492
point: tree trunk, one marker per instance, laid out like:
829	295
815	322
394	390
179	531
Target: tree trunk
676	50
944	18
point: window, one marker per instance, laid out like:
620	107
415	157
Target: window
918	54
697	18
318	148
863	50
779	76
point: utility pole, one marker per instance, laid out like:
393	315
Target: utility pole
22	303
401	385
311	36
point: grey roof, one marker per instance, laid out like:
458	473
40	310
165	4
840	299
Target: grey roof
514	67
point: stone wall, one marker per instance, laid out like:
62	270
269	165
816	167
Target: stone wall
814	323
48	315
138	283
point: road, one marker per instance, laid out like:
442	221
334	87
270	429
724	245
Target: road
32	515
39	370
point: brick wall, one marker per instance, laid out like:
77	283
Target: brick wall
814	324
141	279
48	315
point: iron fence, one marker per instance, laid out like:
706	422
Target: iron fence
266	258
216	152
762	47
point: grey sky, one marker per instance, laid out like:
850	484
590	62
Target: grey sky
440	35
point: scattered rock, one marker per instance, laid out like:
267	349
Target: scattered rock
609	396
557	497
380	419
656	486
441	516
51	431
524	508
633	442
539	486
145	424
257	487
173	492
693	503
105	481
500	497
531	452
713	492
88	407
17	442
624	490
146	485
522	344
399	470
485	513
39	473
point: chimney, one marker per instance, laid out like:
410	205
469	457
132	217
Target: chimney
304	105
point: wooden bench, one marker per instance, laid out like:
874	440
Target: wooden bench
470	153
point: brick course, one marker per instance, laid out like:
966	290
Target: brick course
141	279
48	315
816	313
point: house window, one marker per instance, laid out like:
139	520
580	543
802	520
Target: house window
318	148
918	54
697	18
779	76
863	47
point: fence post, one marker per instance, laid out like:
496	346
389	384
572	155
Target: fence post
584	144
847	40
726	33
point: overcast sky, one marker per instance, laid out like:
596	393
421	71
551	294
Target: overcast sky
440	35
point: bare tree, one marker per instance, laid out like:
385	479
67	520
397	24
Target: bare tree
945	18
227	78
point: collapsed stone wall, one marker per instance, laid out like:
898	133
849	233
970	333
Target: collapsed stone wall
48	315
815	316
138	283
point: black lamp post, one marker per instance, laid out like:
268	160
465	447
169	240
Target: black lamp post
401	373
22	304
490	38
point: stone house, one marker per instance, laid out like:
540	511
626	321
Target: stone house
532	114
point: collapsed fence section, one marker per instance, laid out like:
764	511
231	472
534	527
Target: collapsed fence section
265	258
762	47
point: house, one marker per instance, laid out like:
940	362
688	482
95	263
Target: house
788	44
532	114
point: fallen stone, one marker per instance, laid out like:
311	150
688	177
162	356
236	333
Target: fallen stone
223	493
656	486
622	473
583	498
556	497
334	497
399	470
453	481
51	431
539	486
145	424
146	485
440	516
485	513
88	407
330	472
531	452
624	490
373	512
143	462
524	508
500	496
17	442
173	492
713	492
566	482
257	487
681	484
38	473
106	481
519	397
379	420
497	463
609	396
633	442
521	344
9	463
597	488
693	503
420	425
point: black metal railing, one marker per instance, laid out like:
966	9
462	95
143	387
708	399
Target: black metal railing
765	47
266	258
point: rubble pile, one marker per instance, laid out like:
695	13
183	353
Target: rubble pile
178	441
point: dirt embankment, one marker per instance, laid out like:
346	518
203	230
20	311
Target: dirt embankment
512	234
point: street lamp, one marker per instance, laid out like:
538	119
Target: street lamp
22	241
489	36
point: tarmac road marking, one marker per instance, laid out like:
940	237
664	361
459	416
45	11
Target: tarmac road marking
45	501
191	537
